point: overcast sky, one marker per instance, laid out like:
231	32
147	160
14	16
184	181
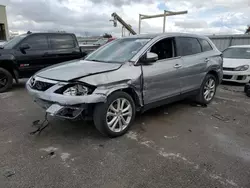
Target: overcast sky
91	17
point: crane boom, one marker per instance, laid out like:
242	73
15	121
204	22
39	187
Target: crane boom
124	24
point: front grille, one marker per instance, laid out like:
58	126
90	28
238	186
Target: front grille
41	86
227	76
228	69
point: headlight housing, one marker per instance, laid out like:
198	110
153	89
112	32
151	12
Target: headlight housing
76	89
241	68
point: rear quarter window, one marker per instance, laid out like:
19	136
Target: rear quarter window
205	45
187	46
62	41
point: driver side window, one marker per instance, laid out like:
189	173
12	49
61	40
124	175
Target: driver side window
164	48
37	42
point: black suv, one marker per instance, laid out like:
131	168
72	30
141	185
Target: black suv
26	54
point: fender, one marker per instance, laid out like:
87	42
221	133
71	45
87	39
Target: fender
126	86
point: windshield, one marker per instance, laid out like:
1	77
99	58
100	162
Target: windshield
237	53
12	43
118	51
101	41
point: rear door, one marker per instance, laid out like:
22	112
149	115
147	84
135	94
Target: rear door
64	47
33	59
194	63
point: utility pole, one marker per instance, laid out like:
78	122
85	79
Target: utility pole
166	13
164	21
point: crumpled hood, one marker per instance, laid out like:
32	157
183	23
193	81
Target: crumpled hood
233	63
76	69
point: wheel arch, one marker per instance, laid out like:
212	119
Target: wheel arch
215	74
9	66
130	91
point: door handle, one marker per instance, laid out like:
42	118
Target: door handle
177	66
207	60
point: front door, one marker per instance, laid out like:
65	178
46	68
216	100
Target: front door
36	57
162	78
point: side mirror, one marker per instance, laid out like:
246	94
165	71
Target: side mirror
24	47
150	57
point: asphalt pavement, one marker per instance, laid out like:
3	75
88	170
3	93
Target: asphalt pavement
174	146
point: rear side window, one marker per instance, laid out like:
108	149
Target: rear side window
37	42
205	45
187	46
62	41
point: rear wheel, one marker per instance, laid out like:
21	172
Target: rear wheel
207	90
114	117
6	80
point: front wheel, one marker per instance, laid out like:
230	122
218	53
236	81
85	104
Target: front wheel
207	90
6	80
114	117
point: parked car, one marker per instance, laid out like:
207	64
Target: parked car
26	54
2	42
127	75
88	48
236	67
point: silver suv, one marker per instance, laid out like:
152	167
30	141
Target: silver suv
127	75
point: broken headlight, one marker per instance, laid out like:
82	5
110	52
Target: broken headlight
76	90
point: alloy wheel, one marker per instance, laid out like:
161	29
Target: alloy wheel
209	89
119	115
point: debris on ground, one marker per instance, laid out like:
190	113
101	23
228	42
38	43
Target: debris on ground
40	126
220	117
189	130
231	89
9	173
198	105
170	137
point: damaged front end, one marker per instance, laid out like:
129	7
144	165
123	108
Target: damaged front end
63	99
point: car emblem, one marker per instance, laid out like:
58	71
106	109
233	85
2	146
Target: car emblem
32	82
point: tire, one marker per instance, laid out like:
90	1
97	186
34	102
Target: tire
6	80
101	110
201	97
248	92
247	87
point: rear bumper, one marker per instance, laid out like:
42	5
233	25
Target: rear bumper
236	76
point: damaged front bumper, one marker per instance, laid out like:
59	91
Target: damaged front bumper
68	107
